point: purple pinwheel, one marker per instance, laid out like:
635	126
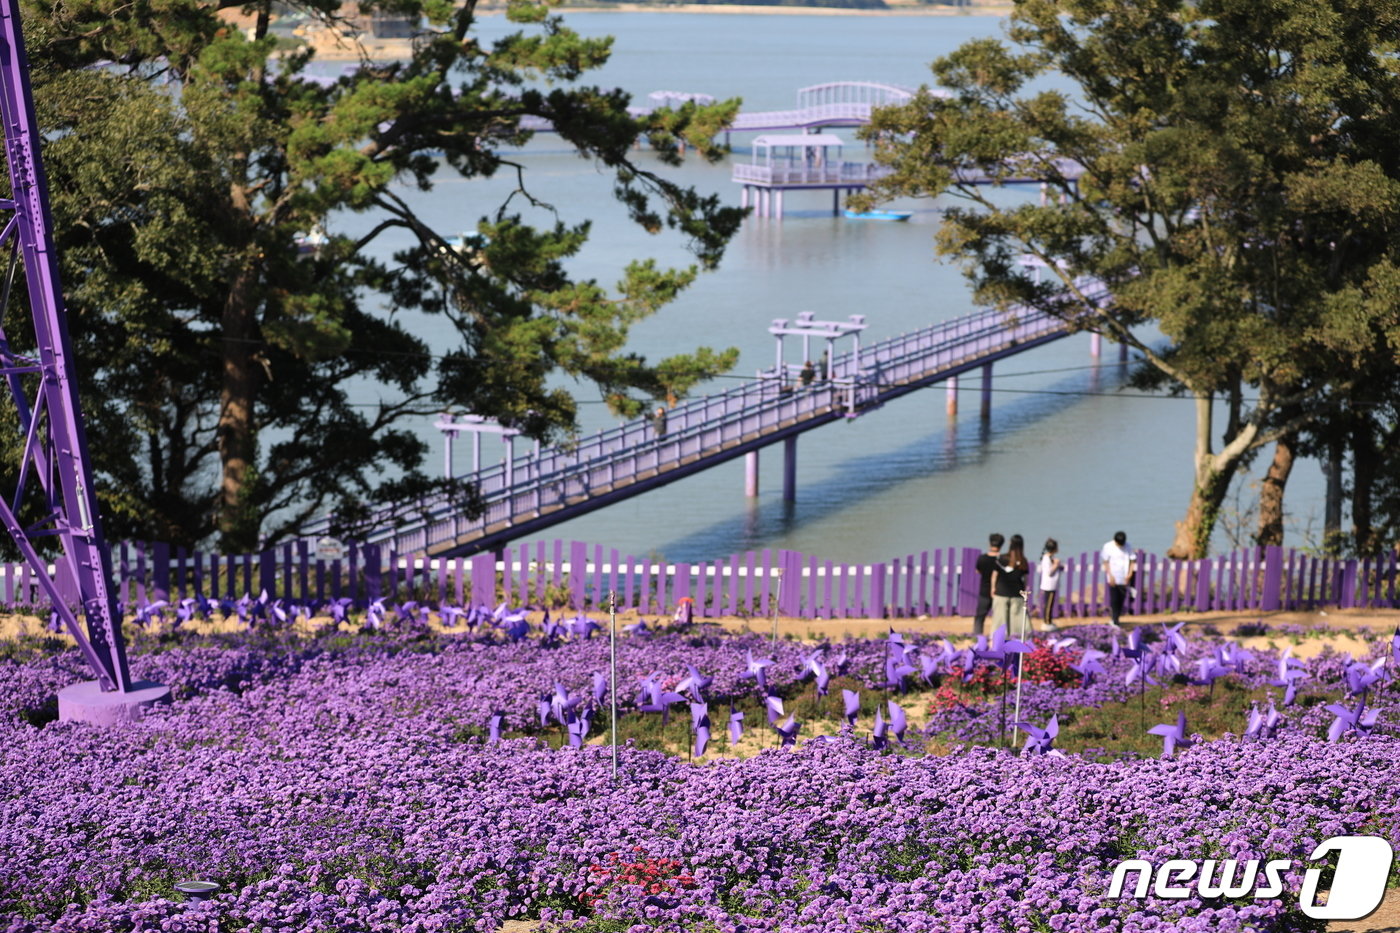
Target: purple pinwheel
736	725
1261	725
374	613
1360	720
1361	677
561	703
600	687
928	666
495	724
1173	735
789	730
552	630
899	723
1208	671
1143	661
1395	647
818	669
758	670
1290	671
1001	648
659	701
700	724
1173	642
148	612
185	611
517	627
1234	658
878	738
1041	741
775	708
852	702
1089	665
448	615
1060	644
637	628
696	683
577	727
582	627
897	666
544	707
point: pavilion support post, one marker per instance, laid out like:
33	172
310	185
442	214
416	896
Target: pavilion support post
744	196
835	201
952	396
986	390
1095	345
780	204
751	474
790	469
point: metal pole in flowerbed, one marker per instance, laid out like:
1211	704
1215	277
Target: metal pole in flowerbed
612	681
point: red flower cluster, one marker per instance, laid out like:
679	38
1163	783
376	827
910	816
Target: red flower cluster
1043	666
655	875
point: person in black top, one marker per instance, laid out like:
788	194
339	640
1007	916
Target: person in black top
1009	585
986	567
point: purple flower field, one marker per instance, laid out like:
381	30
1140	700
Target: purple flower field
347	784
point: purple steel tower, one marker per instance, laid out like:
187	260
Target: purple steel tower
55	477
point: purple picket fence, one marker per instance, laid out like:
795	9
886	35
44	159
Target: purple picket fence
577	576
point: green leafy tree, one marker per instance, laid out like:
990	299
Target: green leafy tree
218	355
1224	171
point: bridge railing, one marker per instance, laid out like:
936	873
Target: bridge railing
715	422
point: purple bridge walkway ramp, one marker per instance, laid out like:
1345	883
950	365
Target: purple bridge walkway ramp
528	494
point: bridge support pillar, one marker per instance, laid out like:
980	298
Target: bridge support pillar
986	390
751	474
790	469
744	196
835	202
952	396
1095	345
779	214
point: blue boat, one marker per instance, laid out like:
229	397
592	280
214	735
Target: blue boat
879	215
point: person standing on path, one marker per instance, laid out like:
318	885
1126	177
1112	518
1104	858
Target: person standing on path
986	566
1009	585
1051	568
1118	560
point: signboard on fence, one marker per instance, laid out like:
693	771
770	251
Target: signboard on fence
329	548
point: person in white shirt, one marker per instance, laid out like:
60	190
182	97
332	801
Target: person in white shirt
1118	565
1049	573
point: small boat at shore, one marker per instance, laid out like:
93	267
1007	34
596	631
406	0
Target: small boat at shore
879	215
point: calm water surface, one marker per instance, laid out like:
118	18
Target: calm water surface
1065	452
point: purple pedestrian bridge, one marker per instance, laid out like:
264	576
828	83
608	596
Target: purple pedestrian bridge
525	495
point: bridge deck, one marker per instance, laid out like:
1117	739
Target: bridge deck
565	482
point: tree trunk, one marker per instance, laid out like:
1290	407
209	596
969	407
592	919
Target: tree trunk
1332	515
238	443
1271	494
1213	474
1364	464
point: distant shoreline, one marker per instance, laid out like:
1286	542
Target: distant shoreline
989	9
